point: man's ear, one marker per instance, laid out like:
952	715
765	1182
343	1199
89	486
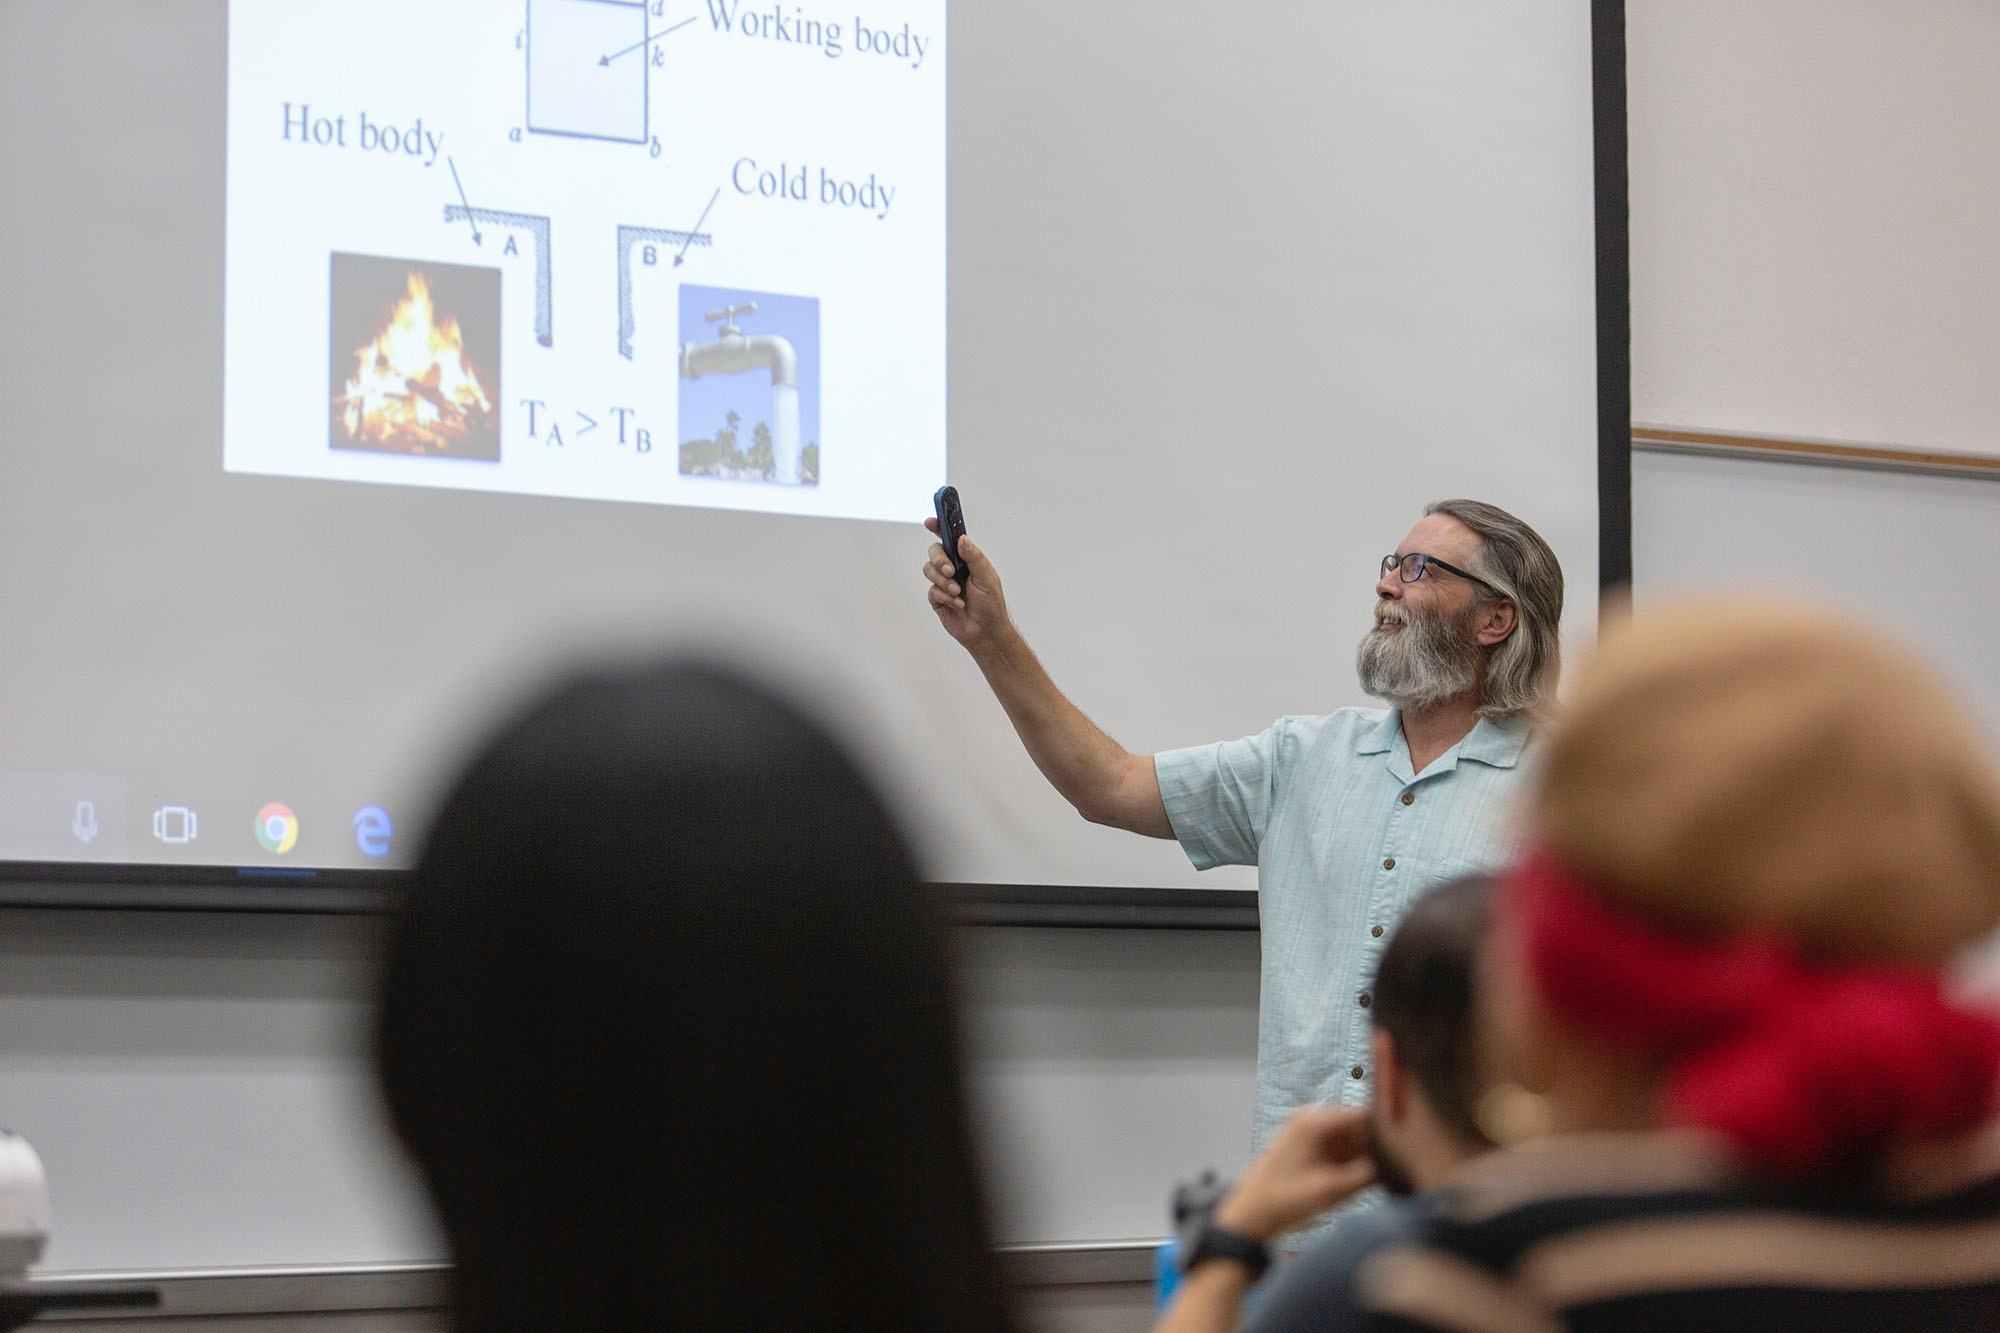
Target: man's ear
1500	620
1392	1087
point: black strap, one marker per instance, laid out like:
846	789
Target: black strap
1215	1242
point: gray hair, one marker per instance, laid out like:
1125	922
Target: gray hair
1512	556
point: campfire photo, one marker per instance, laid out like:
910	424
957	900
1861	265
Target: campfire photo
415	357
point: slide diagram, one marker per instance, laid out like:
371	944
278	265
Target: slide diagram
627	238
674	252
538	229
580	81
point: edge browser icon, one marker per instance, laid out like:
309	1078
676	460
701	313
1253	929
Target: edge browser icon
372	830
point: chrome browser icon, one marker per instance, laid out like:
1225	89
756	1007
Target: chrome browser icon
277	828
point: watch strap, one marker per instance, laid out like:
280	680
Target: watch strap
1214	1242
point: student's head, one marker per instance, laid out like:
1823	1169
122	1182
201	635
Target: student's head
668	1024
1470	601
1759	838
1428	1072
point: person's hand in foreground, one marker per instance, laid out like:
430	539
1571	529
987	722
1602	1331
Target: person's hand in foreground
1319	1158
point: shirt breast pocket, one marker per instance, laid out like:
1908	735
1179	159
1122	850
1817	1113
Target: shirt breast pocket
1445	869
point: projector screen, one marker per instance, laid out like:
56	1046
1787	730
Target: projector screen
367	363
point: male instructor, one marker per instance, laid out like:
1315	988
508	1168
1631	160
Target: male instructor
1347	816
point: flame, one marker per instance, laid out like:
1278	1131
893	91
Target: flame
413	386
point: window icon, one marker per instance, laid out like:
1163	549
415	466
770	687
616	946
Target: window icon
175	825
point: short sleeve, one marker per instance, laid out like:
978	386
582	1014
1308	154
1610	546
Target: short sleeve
1219	797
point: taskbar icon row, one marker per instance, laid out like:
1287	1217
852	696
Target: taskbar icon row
274	825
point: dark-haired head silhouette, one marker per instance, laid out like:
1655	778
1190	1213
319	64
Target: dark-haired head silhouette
667	1022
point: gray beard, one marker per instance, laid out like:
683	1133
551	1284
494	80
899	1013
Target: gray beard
1432	659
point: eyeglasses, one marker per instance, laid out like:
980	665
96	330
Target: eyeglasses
1411	567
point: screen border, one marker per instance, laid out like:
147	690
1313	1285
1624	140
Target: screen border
146	887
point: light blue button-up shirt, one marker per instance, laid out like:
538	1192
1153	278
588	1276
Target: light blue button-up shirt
1344	837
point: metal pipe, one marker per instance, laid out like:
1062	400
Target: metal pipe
734	353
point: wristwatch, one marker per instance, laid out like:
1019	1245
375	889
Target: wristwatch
1214	1242
1194	1212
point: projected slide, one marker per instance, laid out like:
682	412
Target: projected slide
682	252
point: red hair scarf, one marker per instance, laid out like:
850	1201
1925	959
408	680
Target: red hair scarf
1802	1066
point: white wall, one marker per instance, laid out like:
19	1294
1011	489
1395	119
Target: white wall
1110	1063
1813	192
195	1087
1913	554
1813	200
197	1084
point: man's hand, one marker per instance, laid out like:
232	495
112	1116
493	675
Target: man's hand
975	612
1319	1158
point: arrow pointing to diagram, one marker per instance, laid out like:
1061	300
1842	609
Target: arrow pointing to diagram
605	60
695	230
463	200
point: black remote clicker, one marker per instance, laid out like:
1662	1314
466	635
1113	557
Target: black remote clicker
951	526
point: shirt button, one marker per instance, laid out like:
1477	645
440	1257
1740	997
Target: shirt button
1409	798
1356	1071
1389	863
1366	999
1376	931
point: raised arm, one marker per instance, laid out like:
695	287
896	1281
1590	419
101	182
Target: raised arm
1104	781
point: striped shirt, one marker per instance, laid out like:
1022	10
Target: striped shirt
1344	837
1654	1231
